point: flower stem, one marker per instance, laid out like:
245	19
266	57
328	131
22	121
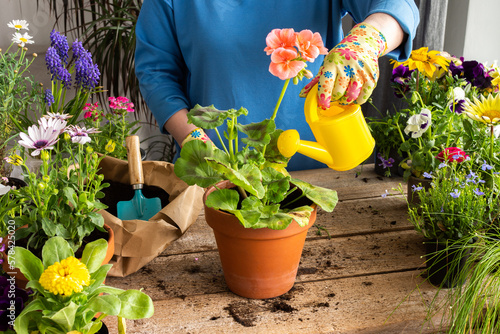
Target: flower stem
283	90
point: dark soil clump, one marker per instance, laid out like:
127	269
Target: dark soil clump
281	306
242	313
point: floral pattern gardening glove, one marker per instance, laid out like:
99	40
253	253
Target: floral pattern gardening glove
350	70
196	134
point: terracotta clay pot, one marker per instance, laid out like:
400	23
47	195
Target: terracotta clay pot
21	280
257	263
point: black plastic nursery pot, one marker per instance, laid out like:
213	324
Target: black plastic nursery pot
446	263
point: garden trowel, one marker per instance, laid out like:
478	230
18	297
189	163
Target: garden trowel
139	207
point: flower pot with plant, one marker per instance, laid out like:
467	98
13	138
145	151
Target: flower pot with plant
448	215
64	199
248	185
70	293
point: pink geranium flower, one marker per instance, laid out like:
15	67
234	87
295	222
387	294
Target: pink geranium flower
310	45
120	103
280	38
283	64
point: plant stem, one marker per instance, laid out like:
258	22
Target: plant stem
492	141
283	90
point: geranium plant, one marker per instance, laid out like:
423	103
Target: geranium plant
69	294
63	199
113	124
251	161
18	89
436	88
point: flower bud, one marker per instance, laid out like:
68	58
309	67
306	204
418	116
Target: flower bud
42	186
67	137
308	74
35	55
25	49
89	149
46	178
44	155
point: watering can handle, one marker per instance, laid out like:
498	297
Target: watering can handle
134	160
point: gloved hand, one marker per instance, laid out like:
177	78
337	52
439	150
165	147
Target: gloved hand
196	134
350	70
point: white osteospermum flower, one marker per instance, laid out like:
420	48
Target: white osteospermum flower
22	39
80	135
57	115
56	124
418	124
39	138
18	24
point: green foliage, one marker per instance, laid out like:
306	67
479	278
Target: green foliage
60	313
458	203
257	171
63	200
19	93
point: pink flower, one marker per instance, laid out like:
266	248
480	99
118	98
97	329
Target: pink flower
120	103
87	114
310	45
352	91
283	64
451	154
80	135
280	38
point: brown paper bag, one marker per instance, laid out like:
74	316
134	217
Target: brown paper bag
137	242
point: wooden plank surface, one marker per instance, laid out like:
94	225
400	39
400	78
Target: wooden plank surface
360	277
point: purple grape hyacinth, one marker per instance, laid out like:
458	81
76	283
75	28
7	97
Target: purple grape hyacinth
60	44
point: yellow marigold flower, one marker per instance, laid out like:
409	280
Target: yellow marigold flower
486	110
15	160
65	278
425	61
110	146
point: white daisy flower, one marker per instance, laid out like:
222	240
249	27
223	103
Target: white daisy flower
39	138
18	24
22	39
57	115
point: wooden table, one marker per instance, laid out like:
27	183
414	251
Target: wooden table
366	277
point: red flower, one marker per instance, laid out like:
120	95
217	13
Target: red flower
452	154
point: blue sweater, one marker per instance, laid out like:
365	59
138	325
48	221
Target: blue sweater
211	52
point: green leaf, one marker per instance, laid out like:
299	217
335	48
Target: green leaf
96	218
278	221
325	198
49	227
98	277
135	305
55	250
192	168
94	254
107	304
65	317
276	185
258	133
301	215
206	117
71	196
223	199
30	314
248	177
29	264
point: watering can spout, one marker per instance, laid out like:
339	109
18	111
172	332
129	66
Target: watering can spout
343	139
289	143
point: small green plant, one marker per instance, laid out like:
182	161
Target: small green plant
458	203
253	170
69	294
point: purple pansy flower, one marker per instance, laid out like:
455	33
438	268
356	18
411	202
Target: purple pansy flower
400	77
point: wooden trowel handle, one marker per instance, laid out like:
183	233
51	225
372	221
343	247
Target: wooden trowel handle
134	160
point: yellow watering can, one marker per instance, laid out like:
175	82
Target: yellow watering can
343	137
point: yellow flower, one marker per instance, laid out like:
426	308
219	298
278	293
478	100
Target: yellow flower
110	146
15	160
425	61
486	110
74	332
66	277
